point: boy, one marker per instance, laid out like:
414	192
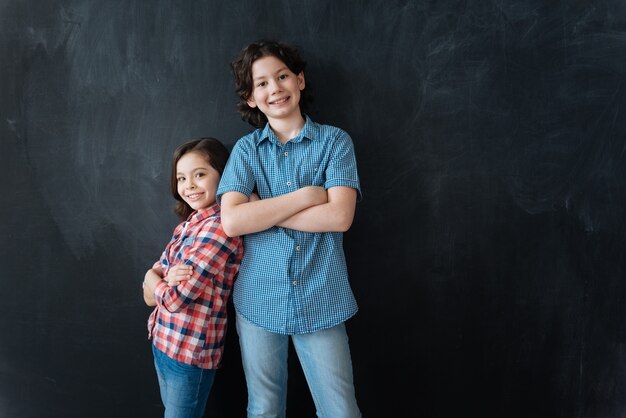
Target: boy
293	281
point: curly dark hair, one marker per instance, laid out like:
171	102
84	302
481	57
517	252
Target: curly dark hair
216	155
242	71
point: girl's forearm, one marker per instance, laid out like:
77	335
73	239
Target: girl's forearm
150	281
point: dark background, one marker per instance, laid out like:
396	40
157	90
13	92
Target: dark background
487	255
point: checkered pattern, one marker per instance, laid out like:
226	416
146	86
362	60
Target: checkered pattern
292	282
189	322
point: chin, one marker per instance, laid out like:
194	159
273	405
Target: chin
194	205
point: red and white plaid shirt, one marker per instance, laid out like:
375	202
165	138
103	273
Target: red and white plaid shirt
189	322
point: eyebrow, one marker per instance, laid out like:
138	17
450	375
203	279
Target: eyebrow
276	72
193	171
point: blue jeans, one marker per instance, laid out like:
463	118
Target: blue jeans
184	388
325	359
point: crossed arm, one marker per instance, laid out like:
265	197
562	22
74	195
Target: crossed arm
150	281
154	276
309	209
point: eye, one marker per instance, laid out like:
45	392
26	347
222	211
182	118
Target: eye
262	84
199	175
180	179
283	76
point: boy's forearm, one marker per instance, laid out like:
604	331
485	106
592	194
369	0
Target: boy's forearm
334	216
240	216
321	218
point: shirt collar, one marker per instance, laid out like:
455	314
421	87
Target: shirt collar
308	131
201	214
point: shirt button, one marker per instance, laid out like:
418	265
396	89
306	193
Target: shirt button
286	153
295	282
297	248
288	183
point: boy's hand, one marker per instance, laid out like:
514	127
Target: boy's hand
316	195
254	197
177	274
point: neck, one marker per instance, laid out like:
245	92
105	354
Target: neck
286	129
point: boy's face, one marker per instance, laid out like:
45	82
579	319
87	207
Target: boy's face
275	89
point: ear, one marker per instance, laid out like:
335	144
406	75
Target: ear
301	82
251	102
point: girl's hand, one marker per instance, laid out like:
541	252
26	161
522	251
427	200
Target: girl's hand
254	197
177	274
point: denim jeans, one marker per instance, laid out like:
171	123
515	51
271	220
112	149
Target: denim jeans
325	359
184	388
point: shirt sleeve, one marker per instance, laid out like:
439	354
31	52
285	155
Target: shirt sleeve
209	254
342	169
238	175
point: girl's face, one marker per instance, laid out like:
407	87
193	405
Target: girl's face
275	89
197	180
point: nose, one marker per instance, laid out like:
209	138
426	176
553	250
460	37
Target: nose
274	86
189	184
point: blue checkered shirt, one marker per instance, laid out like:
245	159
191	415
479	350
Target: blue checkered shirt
292	282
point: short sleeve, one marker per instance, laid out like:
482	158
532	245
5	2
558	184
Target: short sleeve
238	175
342	168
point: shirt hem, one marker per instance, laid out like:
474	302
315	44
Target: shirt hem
313	329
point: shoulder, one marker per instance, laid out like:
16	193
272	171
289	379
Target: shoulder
327	132
335	139
210	225
248	141
179	228
210	230
241	154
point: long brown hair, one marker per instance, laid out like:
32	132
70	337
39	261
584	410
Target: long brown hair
216	155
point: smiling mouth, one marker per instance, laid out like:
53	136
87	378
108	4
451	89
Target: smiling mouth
280	101
194	196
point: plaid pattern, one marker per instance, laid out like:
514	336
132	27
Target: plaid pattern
189	322
292	282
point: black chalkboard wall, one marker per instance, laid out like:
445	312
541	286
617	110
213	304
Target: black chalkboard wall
487	255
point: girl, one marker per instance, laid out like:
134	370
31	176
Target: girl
190	285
